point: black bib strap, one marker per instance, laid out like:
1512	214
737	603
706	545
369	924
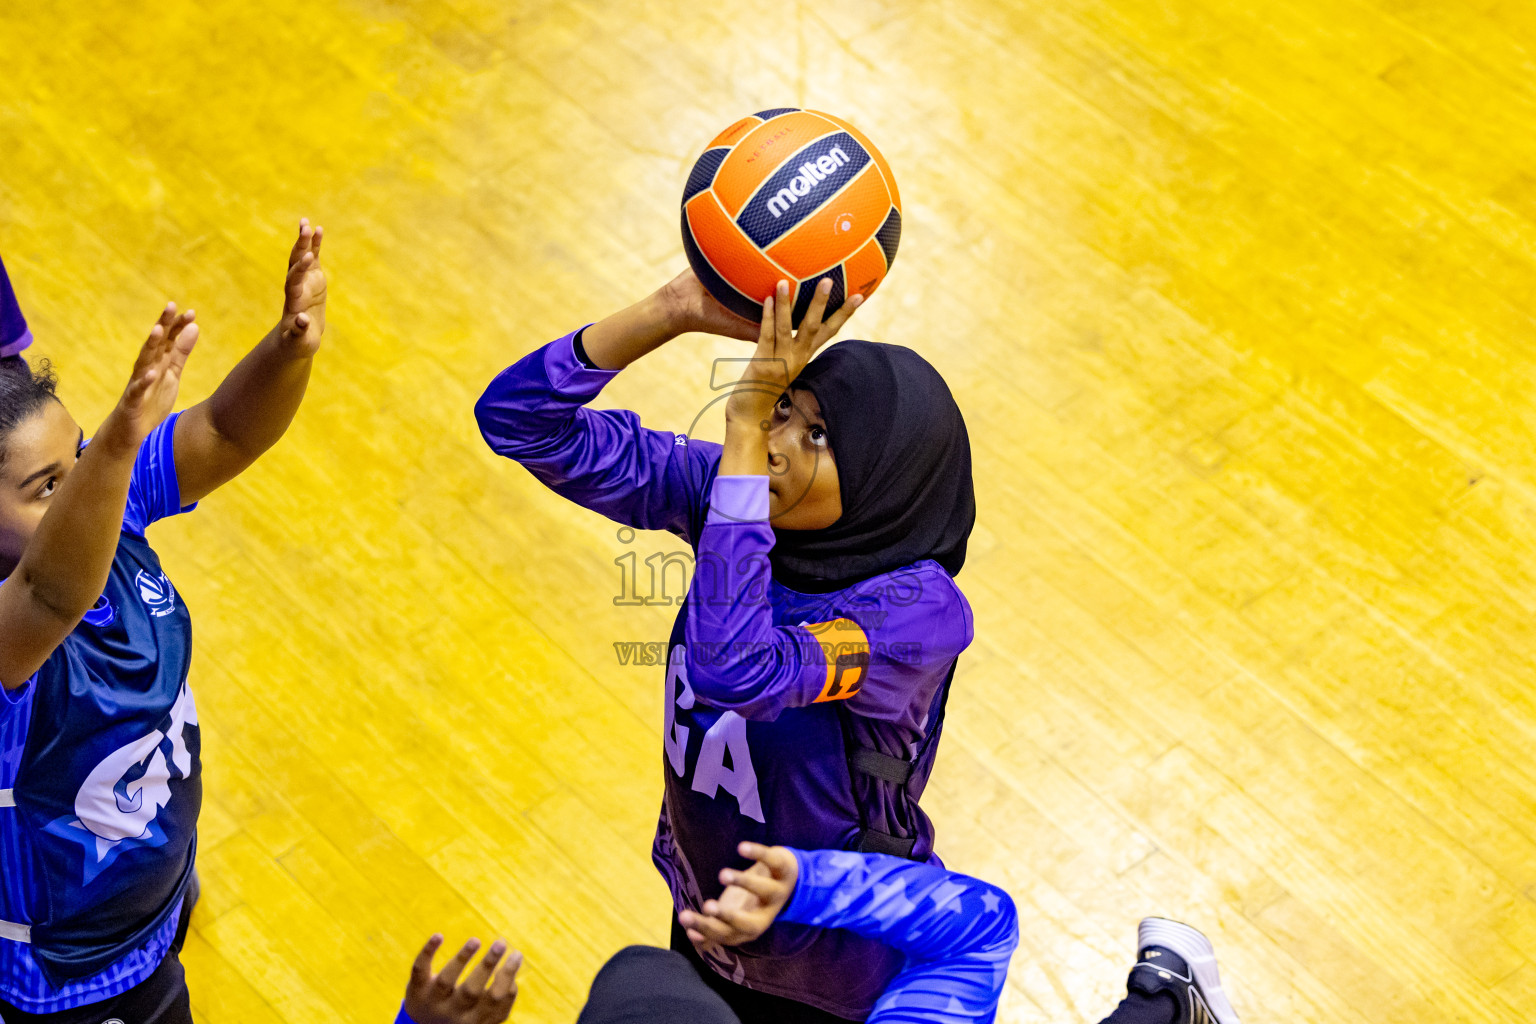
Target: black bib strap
882	766
893	770
872	840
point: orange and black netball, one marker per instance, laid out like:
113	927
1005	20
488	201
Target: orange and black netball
794	195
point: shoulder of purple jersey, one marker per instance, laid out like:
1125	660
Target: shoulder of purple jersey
920	601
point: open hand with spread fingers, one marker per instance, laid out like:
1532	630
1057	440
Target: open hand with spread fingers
154	384
304	292
484	997
751	901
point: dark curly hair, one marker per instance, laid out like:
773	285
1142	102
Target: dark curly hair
23	391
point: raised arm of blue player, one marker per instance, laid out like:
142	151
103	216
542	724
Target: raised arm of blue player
221	436
874	645
66	562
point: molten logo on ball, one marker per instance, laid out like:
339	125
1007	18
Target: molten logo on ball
790	194
811	175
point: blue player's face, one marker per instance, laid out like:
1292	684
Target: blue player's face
39	453
802	475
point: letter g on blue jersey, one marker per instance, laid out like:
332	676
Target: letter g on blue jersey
116	806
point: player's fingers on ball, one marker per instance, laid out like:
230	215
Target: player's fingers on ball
765	329
811	322
836	321
783	314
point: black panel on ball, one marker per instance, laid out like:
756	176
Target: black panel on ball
889	236
775	112
808	292
716	285
704	171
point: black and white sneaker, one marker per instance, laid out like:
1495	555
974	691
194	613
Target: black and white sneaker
1178	960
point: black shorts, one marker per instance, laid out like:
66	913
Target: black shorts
159	999
751	1006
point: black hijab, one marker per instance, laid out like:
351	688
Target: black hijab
903	467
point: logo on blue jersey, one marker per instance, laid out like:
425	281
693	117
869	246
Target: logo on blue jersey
156	592
101	613
116	807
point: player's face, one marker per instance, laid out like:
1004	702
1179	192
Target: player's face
802	475
39	453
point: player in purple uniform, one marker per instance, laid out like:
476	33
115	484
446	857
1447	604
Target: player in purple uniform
100	777
808	667
955	935
14	335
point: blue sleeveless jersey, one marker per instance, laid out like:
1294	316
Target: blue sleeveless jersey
101	751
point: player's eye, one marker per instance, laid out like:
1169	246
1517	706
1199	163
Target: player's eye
818	436
49	486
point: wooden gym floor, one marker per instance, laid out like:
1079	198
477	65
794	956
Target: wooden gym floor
1237	298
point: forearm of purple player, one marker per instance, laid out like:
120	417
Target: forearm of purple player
738	659
603	460
618	340
746	443
220	437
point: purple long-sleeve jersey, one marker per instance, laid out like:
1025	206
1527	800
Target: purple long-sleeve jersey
14	335
766	686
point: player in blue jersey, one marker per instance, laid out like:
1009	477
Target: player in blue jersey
100	778
954	934
808	666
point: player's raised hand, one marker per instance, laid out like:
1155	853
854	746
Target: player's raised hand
782	352
304	292
692	308
156	379
751	901
484	997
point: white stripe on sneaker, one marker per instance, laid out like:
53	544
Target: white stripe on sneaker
1196	951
